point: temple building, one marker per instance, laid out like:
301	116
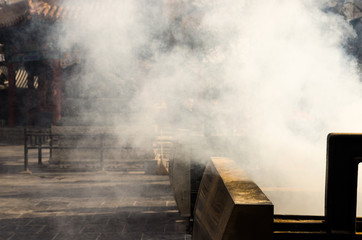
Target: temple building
38	83
30	65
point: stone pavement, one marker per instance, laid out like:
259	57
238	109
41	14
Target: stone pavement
84	205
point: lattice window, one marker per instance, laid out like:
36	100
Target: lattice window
21	79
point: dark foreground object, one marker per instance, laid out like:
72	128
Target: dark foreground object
230	206
344	153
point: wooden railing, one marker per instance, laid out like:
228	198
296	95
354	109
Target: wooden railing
41	139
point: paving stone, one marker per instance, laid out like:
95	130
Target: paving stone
163	236
81	218
4	235
49	229
152	228
99	220
136	219
42	221
22	228
15	221
64	228
121	236
176	227
151	203
84	236
104	228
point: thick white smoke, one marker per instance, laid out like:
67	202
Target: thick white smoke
274	72
291	83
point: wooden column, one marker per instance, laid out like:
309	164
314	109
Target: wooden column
42	82
30	111
57	90
11	95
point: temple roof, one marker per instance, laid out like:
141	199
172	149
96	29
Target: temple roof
12	14
19	10
48	9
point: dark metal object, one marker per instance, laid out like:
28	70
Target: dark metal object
25	151
35	139
344	153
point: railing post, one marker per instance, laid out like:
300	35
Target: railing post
51	145
26	168
344	152
39	155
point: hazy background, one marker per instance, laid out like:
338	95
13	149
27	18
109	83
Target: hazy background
276	73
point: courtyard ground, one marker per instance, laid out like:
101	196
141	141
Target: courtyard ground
52	205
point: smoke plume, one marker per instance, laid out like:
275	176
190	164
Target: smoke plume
273	73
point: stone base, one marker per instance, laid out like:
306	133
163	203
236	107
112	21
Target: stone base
230	206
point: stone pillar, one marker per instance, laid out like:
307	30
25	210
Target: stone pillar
230	206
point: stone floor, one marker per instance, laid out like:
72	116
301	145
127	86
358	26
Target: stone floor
84	205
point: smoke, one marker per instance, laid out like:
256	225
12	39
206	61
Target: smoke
290	83
297	83
274	72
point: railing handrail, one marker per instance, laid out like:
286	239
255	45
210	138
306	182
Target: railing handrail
53	137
